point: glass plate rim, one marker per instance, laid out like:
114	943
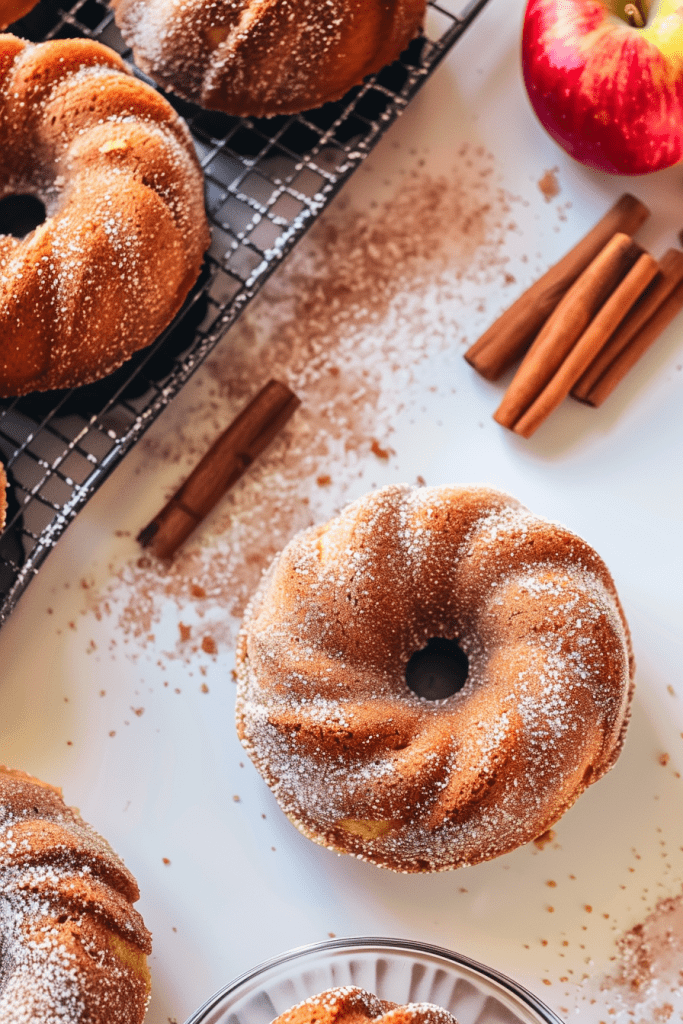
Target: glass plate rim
525	995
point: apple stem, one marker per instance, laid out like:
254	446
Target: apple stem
635	18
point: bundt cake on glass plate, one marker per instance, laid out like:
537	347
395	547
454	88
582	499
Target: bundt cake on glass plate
349	1004
432	678
357	979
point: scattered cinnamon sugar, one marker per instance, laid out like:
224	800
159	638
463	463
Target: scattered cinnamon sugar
362	302
650	963
209	645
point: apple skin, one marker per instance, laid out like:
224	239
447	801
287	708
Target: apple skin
611	95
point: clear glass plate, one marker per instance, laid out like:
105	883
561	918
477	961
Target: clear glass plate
394	969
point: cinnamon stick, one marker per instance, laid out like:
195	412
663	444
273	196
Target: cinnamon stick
609	367
637	347
566	325
222	466
512	333
591	341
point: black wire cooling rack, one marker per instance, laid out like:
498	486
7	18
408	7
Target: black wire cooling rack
266	181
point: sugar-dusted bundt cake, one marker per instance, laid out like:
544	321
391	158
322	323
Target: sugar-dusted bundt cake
264	57
351	1005
455	585
72	947
126	228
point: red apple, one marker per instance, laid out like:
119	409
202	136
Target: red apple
609	92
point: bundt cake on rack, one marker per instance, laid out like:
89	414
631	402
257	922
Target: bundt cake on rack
432	678
126	228
264	57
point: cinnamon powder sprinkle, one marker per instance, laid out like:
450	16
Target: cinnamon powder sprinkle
650	964
363	301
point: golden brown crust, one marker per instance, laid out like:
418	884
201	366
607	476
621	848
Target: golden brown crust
12	10
73	945
266	57
361	764
126	229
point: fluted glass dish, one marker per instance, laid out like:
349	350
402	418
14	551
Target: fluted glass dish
394	969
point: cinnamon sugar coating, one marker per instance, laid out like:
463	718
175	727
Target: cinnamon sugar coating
265	57
361	764
72	947
125	231
351	1005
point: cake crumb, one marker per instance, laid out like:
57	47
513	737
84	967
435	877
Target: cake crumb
549	185
546	837
381	453
209	645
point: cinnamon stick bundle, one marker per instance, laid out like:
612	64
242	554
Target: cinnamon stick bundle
510	336
566	325
653	312
591	341
222	466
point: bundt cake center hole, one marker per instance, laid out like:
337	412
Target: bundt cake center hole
437	671
20	214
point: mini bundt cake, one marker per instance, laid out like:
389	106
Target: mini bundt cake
351	1005
349	634
72	947
264	57
126	228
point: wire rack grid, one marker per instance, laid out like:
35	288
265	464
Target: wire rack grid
266	180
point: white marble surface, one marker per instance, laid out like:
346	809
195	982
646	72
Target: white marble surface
163	786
